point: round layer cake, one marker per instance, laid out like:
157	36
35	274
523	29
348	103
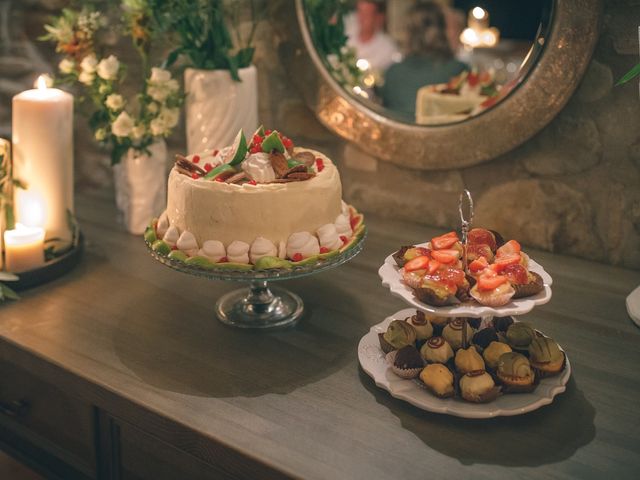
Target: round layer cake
226	212
262	198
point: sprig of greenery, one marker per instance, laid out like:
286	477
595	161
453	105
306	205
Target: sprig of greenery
205	31
7	293
631	74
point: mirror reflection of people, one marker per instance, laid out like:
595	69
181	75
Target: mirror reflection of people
429	59
365	29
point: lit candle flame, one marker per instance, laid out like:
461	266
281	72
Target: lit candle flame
41	83
479	13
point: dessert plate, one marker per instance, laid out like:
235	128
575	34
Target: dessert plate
390	274
373	362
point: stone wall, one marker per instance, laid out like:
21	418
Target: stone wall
574	188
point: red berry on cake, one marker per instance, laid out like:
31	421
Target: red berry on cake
196	159
253	182
208	167
319	164
195	176
324	250
297	257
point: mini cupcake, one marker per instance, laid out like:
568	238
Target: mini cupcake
468	360
453	332
399	334
514	371
438	379
406	362
524	282
545	356
436	350
493	352
520	335
478	387
492	290
421	325
484	337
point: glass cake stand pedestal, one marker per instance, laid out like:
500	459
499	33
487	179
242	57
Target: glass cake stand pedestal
261	306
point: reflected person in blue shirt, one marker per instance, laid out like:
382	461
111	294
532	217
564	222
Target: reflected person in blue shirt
429	59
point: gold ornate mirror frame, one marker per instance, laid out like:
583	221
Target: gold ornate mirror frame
569	44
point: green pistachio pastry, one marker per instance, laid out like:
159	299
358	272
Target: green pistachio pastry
520	335
545	355
493	353
400	334
515	369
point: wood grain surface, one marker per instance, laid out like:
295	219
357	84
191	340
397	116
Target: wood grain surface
140	341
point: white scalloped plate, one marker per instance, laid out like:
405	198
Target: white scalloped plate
374	364
390	274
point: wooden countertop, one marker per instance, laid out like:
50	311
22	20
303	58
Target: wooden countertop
140	341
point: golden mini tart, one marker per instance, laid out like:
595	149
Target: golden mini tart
438	379
493	353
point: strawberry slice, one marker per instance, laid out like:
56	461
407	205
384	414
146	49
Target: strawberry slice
453	275
434	265
489	283
478	250
447	240
516	273
417	263
443	257
478	265
479	236
505	260
510	247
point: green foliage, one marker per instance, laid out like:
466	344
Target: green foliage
631	74
208	32
5	292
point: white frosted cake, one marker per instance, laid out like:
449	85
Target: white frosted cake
263	198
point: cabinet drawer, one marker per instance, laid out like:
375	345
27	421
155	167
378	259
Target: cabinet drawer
36	416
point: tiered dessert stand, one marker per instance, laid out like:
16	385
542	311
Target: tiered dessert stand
261	306
373	362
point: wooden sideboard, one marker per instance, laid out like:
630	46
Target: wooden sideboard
120	371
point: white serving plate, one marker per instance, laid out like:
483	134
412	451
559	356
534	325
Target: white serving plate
373	362
390	274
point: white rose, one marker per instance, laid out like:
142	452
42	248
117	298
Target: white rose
138	132
158	93
66	66
157	127
101	134
89	63
170	117
159	75
86	77
108	68
114	102
153	107
123	125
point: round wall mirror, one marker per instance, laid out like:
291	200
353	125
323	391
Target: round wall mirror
440	84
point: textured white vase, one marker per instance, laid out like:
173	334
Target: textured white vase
217	107
140	182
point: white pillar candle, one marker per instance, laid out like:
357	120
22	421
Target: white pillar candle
24	248
43	158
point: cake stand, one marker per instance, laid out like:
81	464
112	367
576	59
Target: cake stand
261	306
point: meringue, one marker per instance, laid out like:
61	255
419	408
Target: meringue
163	224
345	208
262	247
343	225
171	236
329	237
213	250
238	252
258	167
303	243
187	243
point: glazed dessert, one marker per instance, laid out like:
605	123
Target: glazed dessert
496	271
504	357
478	386
259	198
436	350
438	379
468	360
421	324
545	356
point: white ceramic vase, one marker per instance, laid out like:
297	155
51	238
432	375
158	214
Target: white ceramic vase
217	107
140	183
